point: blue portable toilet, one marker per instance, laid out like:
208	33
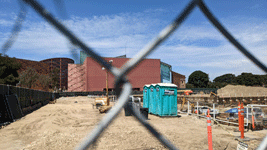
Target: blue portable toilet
167	99
151	99
157	100
146	96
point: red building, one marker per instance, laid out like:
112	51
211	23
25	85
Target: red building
90	76
94	76
178	80
62	65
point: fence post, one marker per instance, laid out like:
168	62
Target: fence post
214	113
247	117
197	109
209	130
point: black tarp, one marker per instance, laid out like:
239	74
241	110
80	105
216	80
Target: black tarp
13	107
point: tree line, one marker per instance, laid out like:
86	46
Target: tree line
28	78
199	79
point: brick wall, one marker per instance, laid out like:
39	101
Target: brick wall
146	72
178	80
76	77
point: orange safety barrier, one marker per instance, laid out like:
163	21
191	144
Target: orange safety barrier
253	125
209	130
241	125
239	116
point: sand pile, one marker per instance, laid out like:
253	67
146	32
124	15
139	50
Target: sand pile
63	125
241	91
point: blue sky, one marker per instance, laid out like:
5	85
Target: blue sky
114	28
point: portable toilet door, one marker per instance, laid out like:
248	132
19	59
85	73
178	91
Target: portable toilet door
146	96
168	99
158	102
151	98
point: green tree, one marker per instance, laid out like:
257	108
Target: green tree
263	80
199	79
189	86
54	75
9	70
249	79
226	78
29	78
45	81
219	84
211	85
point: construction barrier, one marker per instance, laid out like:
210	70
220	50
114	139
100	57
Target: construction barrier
239	114
253	124
214	115
20	101
209	130
241	118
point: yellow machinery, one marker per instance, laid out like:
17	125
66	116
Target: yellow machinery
213	94
184	101
182	106
100	102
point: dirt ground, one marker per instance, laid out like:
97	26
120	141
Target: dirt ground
240	91
63	125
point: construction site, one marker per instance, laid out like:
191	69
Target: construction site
108	101
64	123
224	105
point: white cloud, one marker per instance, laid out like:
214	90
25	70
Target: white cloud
193	46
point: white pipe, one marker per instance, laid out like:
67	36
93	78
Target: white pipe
249	105
247	116
187	107
214	113
227	121
197	109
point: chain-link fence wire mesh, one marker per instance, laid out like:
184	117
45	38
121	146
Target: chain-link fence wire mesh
120	74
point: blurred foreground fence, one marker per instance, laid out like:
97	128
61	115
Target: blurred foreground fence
123	86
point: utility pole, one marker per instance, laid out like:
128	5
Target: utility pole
107	87
107	82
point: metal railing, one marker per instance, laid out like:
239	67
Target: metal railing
213	114
120	74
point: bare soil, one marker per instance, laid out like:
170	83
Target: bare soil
242	91
63	125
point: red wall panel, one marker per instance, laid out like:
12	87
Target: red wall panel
146	72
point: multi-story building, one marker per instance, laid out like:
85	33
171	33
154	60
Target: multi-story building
178	79
62	65
90	76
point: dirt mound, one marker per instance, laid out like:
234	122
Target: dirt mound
241	91
63	125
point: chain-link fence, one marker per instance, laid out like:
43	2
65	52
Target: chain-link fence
122	85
